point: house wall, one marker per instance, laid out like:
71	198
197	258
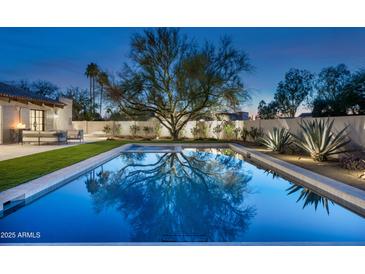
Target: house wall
64	115
10	117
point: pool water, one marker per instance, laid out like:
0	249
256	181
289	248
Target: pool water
151	148
208	195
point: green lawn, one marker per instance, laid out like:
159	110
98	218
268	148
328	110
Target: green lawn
20	170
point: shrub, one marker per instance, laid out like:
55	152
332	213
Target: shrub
228	128
244	134
118	129
107	129
236	132
256	134
353	162
196	131
319	140
200	131
203	130
134	129
217	130
276	140
157	129
147	130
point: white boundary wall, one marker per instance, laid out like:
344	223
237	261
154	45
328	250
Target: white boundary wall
355	124
97	127
356	127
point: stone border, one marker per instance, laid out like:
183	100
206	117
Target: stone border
347	196
343	194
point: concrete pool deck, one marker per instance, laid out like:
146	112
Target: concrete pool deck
12	151
347	196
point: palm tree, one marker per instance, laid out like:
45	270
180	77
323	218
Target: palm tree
102	80
92	72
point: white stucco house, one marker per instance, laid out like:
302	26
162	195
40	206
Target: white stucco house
20	109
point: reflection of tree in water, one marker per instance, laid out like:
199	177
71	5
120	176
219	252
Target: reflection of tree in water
271	172
179	194
306	195
95	180
224	151
309	197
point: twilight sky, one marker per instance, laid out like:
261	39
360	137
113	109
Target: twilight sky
60	55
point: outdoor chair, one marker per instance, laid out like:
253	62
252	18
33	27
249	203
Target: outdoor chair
75	135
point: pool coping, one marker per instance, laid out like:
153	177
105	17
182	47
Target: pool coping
348	196
345	195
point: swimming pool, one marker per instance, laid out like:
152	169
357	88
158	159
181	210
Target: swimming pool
154	148
195	196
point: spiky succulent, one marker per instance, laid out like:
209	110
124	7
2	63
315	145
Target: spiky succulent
277	139
319	140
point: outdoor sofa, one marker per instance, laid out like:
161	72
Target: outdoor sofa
29	136
75	135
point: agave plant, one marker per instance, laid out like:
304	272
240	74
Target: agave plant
256	134
277	139
319	140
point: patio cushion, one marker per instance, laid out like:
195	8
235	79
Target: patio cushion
44	136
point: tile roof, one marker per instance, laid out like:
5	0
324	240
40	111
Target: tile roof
16	93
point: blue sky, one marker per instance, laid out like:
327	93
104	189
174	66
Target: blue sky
60	55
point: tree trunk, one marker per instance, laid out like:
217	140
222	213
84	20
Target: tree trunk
91	95
174	135
292	113
101	98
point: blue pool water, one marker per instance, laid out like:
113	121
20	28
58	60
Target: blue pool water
193	196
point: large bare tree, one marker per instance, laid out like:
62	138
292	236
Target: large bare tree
177	80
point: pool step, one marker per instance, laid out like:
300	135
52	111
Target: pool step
12	205
184	237
153	148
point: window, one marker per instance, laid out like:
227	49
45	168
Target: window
37	120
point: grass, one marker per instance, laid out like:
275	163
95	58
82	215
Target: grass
23	169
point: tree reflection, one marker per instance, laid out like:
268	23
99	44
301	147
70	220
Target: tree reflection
309	197
178	196
94	180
